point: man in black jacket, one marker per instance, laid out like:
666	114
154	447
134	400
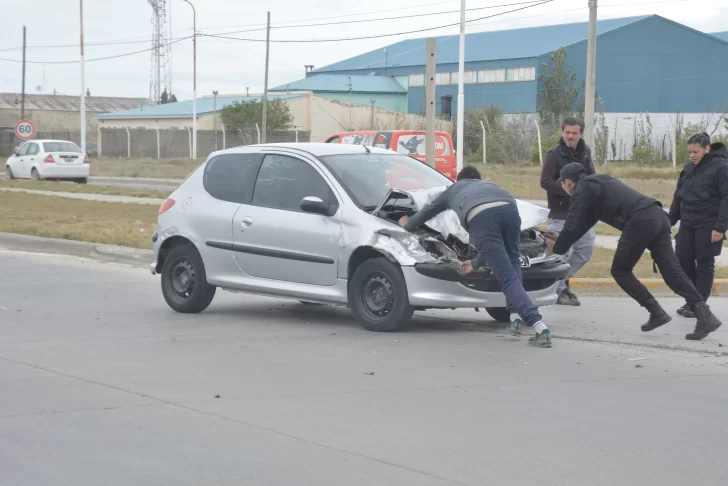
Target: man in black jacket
700	205
491	217
644	226
571	148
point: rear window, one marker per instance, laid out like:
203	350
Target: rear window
61	147
231	177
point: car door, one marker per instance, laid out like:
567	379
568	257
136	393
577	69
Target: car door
275	239
16	161
30	158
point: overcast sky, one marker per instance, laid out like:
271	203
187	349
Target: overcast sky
230	66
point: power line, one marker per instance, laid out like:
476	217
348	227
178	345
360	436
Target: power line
110	43
359	21
379	36
95	59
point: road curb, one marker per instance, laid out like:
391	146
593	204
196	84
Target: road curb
607	286
95	251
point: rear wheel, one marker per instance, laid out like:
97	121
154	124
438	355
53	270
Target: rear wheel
9	173
34	175
500	314
81	181
184	282
378	296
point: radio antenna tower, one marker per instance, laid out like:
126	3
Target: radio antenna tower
160	78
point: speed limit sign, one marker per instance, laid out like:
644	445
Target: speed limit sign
24	129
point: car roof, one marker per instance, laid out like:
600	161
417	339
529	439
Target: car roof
315	149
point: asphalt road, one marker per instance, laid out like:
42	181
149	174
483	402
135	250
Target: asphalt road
100	383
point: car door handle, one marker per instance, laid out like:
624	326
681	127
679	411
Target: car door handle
247	222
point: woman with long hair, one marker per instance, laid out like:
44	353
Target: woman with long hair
701	206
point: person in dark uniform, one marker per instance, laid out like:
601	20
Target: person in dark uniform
701	206
645	226
491	217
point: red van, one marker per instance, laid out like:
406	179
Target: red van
408	142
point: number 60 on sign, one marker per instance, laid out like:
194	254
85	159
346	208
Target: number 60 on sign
24	129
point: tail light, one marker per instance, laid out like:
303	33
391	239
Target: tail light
50	159
166	205
85	159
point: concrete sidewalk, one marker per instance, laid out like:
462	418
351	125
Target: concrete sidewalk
89	196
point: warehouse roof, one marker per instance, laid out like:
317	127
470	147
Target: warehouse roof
721	35
482	46
340	83
94	104
183	109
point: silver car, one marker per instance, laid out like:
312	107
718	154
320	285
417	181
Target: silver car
318	223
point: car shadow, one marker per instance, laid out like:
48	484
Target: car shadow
331	316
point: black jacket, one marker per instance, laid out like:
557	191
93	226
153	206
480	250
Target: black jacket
701	197
461	197
596	198
556	158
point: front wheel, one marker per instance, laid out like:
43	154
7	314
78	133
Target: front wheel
378	296
500	314
82	181
184	282
9	173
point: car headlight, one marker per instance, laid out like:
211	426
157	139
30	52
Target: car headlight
410	242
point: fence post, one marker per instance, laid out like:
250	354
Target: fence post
98	140
484	146
128	142
223	135
258	128
189	137
540	149
158	149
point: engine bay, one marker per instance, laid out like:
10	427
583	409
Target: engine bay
451	248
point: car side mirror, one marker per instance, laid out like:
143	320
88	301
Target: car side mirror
316	205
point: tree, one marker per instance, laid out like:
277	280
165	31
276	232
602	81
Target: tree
164	99
246	114
173	99
601	137
559	92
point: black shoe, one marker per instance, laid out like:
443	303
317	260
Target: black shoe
686	312
707	322
658	316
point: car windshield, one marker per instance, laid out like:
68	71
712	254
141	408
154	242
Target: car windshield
61	147
368	177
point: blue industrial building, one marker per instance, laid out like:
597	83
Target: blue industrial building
644	64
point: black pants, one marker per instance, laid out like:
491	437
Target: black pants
696	253
496	233
649	229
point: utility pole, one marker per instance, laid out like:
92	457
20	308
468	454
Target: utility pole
461	88
386	60
214	115
194	80
265	85
22	96
350	125
371	123
591	68
430	108
83	89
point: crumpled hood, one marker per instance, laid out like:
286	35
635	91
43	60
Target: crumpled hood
447	222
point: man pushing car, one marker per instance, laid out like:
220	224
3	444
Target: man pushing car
491	217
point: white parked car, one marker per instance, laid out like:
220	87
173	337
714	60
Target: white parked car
48	159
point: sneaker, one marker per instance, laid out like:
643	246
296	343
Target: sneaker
515	327
568	298
542	340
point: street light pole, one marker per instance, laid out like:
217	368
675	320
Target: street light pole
83	88
461	88
194	80
214	115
